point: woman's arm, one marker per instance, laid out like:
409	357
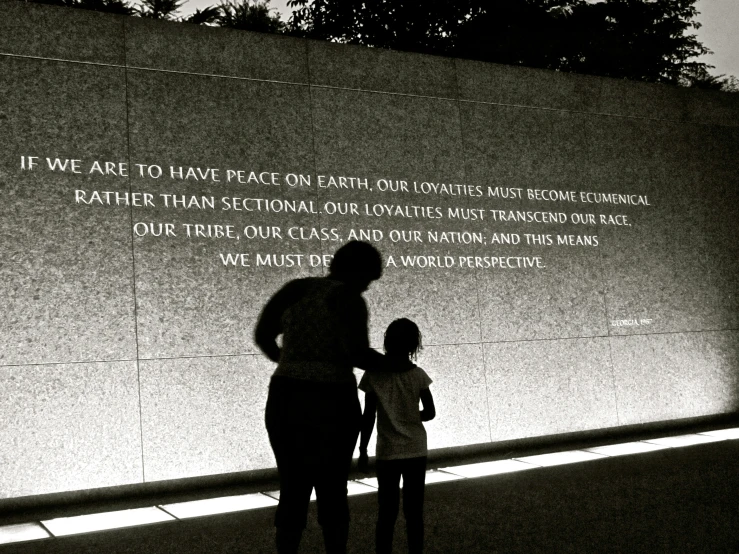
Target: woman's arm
355	332
269	324
356	340
429	410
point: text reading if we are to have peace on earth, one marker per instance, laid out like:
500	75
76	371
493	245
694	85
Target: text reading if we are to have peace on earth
235	176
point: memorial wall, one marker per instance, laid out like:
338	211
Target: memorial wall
567	244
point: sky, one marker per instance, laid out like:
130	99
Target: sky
719	21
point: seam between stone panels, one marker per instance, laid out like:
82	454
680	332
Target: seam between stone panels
610	345
27	57
544	108
603	336
387	92
407	94
198	356
201	356
133	255
613	378
160	70
477	272
565	110
218	75
122	360
313	143
604	114
73	362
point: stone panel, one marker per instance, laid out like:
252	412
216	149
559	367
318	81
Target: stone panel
715	166
188	301
378	69
506	146
66	279
69	427
563	298
538	388
29	29
525	86
713	108
636	99
401	141
187	48
204	416
660	268
675	375
459	391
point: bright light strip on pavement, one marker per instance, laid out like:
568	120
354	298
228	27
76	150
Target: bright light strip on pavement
355	487
561	458
626	448
434	476
62	526
142	516
684	440
223	505
20	532
488	468
276	495
369	481
723	433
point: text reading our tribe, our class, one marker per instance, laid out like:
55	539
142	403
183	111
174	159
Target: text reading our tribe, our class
257	218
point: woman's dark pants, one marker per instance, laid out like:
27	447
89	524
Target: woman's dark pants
313	429
413	471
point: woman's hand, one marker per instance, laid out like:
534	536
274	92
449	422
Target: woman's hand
363	461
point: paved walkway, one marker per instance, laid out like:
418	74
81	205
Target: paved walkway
679	500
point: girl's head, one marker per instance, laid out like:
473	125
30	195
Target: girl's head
402	338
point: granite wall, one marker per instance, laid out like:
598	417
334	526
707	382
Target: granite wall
126	351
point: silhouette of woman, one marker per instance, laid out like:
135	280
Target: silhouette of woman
313	414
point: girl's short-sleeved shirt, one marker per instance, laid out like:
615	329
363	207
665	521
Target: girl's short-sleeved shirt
400	431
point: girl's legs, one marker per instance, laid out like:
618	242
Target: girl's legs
414	482
388	499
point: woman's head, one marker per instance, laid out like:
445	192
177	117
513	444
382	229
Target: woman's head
403	338
357	263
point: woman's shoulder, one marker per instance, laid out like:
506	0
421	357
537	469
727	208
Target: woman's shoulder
315	285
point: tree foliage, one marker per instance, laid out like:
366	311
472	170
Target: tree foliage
249	15
206	16
120	7
159	9
648	40
701	78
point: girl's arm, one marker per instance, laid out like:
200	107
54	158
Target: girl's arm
429	410
368	423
